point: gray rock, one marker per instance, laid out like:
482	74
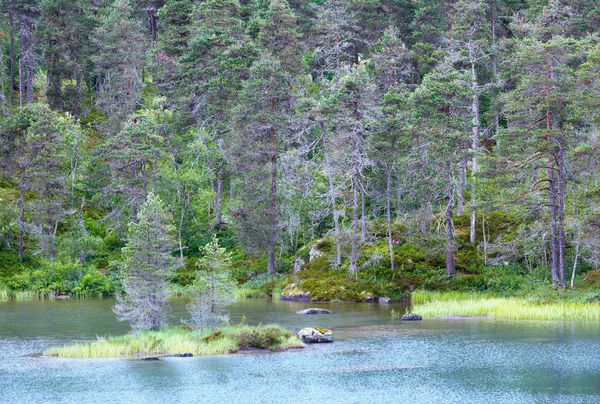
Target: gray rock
411	317
150	358
314	311
315	335
298	263
384	300
314	253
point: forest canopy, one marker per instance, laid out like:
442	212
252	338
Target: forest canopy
373	146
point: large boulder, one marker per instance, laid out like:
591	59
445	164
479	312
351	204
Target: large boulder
315	335
384	300
292	292
314	311
411	317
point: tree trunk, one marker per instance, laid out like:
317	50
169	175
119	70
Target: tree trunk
22	217
363	220
78	108
273	213
562	243
450	266
354	253
12	58
219	197
484	239
54	92
474	144
26	60
332	193
554	245
461	188
181	219
388	214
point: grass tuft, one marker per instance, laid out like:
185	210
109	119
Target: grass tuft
178	340
432	304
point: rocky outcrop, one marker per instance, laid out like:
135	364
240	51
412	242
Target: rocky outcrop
367	297
180	355
315	335
292	292
384	300
411	317
314	253
314	311
297	263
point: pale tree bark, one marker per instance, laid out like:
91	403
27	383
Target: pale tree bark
474	142
12	58
352	269
450	247
363	220
273	213
219	198
332	195
388	214
461	188
554	244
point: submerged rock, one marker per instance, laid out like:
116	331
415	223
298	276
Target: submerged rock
411	317
384	300
150	358
292	292
314	311
315	335
180	355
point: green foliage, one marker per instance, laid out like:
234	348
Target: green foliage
179	340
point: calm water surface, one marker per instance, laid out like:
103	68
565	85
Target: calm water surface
375	358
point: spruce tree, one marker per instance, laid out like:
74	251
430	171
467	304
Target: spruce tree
146	267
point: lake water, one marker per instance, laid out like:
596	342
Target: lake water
375	358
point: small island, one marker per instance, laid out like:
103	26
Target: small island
183	341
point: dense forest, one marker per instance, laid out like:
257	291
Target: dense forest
353	148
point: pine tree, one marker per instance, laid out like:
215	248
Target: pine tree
119	61
279	35
538	113
213	290
64	31
147	265
440	110
261	125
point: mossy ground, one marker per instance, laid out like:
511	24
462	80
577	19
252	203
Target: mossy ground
181	340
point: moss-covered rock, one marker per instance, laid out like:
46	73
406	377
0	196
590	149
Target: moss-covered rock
315	335
293	292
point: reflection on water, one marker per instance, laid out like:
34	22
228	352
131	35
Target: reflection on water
375	358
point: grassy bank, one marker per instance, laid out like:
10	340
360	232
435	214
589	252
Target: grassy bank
178	340
432	304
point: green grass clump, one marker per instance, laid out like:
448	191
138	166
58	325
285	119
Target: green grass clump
243	292
179	340
426	296
432	304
